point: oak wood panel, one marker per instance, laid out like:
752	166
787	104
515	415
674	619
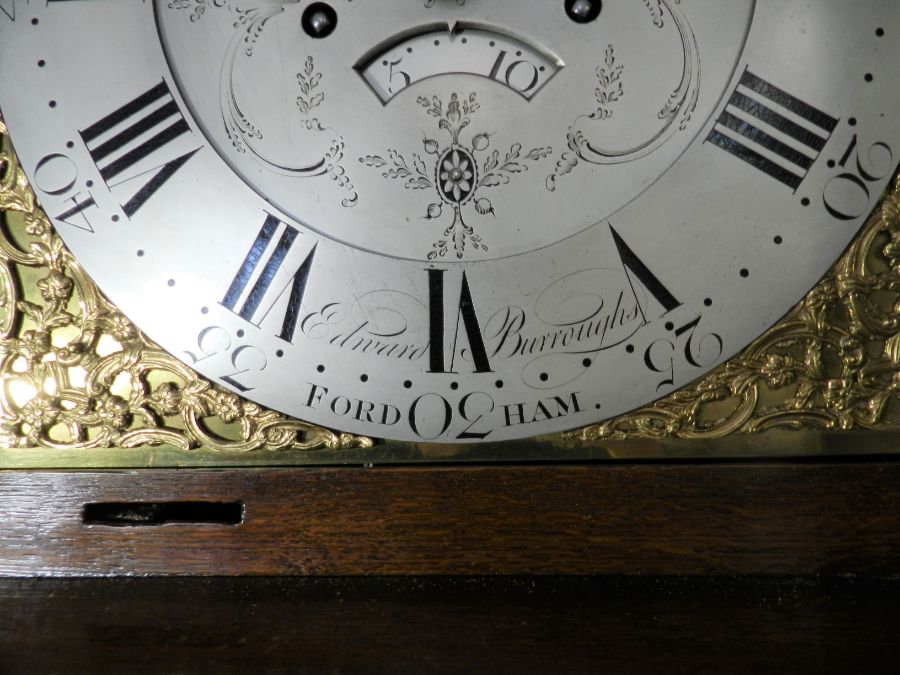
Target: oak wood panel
440	625
812	518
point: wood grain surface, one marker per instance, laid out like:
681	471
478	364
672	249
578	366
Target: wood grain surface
470	625
697	519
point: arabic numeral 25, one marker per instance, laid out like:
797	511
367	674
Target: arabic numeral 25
698	349
849	194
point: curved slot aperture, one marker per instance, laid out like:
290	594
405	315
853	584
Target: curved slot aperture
463	49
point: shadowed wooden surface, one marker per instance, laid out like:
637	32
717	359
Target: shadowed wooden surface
438	625
697	519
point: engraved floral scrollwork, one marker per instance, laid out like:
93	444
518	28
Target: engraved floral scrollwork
249	28
833	363
455	174
674	115
76	374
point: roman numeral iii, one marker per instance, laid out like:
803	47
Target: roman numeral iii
772	130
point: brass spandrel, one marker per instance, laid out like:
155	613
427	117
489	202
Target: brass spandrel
78	376
83	387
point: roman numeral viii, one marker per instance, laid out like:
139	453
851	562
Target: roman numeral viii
143	129
772	130
272	267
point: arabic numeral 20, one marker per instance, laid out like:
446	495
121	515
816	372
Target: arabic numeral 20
849	194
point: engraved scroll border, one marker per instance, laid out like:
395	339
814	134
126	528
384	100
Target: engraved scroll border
75	374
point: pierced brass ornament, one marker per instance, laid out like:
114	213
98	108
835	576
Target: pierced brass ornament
833	363
77	375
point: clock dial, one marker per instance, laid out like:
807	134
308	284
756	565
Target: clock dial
453	221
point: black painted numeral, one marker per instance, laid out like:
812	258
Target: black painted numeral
754	127
8	7
635	269
466	317
270	253
138	130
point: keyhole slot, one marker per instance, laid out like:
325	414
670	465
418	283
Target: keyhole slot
154	514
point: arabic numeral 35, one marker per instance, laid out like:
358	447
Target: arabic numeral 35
243	361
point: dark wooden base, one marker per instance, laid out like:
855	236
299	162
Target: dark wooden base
697	519
439	625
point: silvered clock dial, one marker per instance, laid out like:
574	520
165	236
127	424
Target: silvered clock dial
454	220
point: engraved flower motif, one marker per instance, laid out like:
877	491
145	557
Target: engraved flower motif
456	176
41	411
112	411
461	173
55	286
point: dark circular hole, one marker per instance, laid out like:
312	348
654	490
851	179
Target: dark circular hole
880	32
321	369
363	378
408	384
630	349
544	377
869	77
279	353
778	241
805	201
708	302
852	121
587	363
583	11
745	273
319	20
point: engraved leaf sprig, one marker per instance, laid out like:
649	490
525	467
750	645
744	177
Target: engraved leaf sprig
309	80
610	88
496	173
656	11
415	177
198	7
